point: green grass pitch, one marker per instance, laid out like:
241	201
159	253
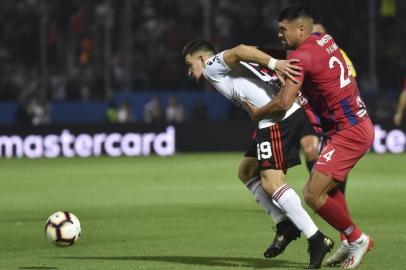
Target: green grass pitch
183	212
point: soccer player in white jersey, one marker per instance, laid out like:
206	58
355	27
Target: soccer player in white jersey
277	139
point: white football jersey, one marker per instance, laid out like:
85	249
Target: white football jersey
243	82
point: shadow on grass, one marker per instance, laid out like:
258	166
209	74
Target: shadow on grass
205	261
37	267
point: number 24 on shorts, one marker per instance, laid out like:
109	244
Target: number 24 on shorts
327	156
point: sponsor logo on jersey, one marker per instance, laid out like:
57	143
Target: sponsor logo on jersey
324	40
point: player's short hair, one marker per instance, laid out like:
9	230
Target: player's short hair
294	12
197	45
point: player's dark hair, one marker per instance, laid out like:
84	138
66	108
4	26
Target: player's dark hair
197	45
294	12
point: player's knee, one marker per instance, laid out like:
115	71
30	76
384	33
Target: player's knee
271	184
242	174
309	145
310	198
247	170
310	152
245	173
307	196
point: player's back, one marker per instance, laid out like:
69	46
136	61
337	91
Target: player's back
330	93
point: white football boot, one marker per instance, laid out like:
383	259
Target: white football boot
339	255
357	251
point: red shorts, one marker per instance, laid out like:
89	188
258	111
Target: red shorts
342	150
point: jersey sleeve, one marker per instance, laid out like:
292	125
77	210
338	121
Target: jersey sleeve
304	61
216	68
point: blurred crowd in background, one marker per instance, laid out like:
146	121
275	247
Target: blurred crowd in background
92	49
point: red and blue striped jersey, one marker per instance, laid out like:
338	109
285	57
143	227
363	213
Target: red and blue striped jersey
329	93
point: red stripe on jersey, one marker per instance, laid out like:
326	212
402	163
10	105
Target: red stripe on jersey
280	146
273	140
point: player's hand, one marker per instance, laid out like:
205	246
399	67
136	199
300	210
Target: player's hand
397	119
252	110
286	68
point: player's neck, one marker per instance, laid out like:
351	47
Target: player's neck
303	39
205	57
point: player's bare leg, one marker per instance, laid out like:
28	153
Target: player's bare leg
286	231
273	182
316	189
333	210
310	148
248	169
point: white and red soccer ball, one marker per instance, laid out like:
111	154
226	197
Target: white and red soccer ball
62	229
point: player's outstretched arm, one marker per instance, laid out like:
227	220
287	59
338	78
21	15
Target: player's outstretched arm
251	54
280	103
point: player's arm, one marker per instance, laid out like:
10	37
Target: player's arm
279	104
246	53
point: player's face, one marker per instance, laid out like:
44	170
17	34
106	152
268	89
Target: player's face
289	34
195	64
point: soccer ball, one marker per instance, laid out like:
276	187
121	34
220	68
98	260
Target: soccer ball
62	229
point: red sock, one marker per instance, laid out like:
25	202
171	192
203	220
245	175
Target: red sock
336	216
338	196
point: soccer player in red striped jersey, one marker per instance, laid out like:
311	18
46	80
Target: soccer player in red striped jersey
341	253
330	97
